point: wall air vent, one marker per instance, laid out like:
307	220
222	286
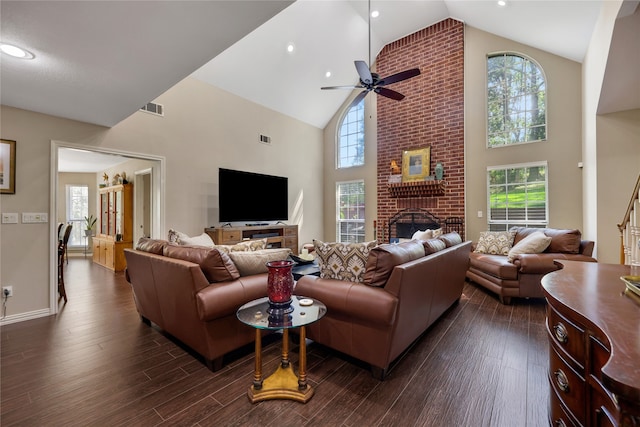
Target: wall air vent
153	108
265	139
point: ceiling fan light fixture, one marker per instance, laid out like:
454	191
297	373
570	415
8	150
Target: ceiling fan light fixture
15	51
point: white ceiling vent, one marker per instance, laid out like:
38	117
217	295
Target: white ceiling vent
153	108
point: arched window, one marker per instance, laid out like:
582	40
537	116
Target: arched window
516	100
350	141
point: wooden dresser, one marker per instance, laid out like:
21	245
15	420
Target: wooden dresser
594	352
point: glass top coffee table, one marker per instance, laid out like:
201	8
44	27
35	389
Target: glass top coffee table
283	383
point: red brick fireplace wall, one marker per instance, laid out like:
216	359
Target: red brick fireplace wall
432	114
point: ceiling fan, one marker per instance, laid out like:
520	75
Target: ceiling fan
371	81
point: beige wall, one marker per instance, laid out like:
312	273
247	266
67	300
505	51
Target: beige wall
561	150
618	157
203	128
367	172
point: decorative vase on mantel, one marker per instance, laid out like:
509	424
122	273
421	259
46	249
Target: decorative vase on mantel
280	287
439	171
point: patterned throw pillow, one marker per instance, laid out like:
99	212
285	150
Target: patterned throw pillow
343	261
175	236
245	246
495	242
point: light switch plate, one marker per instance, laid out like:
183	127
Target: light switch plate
34	218
9	218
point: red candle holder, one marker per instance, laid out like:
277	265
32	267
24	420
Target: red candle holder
280	287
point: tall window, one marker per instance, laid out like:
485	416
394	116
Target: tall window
77	209
350	211
516	100
350	150
518	196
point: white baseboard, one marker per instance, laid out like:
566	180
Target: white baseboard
21	317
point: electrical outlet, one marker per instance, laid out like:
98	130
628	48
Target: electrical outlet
7	291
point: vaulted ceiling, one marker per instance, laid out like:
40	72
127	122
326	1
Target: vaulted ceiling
100	61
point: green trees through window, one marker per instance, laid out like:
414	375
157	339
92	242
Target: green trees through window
350	145
350	211
516	100
517	196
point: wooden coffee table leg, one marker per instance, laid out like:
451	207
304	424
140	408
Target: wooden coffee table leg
285	348
257	373
302	368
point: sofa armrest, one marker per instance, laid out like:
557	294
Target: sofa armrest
224	298
543	263
354	300
535	263
586	247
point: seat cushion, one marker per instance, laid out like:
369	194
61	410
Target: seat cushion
495	265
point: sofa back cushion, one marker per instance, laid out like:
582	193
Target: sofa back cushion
154	246
382	259
451	239
216	265
562	240
432	246
343	261
249	263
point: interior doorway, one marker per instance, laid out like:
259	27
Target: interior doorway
146	174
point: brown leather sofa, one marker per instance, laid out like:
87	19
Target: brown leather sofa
405	291
192	293
521	277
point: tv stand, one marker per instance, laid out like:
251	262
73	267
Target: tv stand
278	236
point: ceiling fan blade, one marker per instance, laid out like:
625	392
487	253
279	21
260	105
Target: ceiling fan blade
357	99
351	87
389	93
403	75
364	72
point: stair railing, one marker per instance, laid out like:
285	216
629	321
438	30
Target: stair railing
630	229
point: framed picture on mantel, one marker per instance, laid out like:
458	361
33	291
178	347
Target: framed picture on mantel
415	164
7	166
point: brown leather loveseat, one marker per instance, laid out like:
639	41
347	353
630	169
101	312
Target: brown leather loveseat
520	277
192	293
404	292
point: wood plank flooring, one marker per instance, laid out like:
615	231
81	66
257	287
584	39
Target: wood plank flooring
97	364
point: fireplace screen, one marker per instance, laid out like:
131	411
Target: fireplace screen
406	222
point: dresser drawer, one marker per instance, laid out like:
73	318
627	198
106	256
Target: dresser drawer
567	385
567	336
560	417
604	410
231	236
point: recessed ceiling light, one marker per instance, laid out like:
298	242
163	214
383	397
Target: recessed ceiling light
291	47
375	14
327	74
502	3
15	51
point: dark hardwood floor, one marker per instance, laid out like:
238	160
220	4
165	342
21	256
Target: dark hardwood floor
97	364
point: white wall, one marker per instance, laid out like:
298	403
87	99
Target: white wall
203	128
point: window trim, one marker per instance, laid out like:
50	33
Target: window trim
519	166
337	212
337	138
486	98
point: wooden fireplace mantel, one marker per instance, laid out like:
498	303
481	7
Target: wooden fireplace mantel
417	189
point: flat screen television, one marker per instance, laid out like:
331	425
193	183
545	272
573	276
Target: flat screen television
253	197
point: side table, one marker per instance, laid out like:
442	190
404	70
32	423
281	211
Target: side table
283	383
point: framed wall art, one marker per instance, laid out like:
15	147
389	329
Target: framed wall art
7	166
415	164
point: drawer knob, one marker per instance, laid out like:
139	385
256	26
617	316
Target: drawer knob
560	331
562	380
